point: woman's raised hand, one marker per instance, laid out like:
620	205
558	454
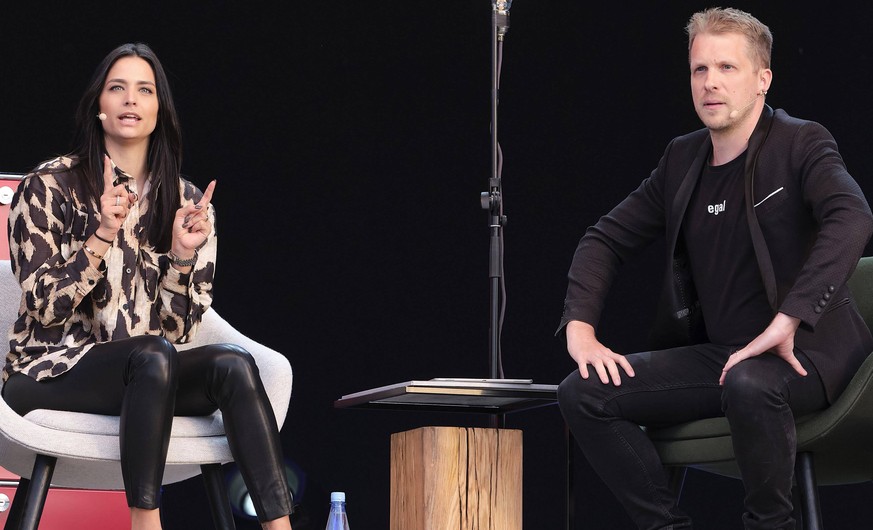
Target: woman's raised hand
191	226
114	203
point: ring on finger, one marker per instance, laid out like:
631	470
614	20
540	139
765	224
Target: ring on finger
118	200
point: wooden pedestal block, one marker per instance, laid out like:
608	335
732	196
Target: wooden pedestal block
456	478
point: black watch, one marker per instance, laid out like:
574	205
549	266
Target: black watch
175	260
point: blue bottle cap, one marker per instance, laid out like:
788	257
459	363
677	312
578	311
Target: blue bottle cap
337	496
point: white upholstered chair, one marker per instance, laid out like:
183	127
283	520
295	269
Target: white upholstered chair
77	450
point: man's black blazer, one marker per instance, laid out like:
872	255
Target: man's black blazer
809	222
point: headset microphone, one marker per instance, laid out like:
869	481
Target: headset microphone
102	116
736	112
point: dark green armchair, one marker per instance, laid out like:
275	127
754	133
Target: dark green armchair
834	446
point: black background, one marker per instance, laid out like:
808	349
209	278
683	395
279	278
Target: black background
351	141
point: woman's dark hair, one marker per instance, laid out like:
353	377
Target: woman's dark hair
165	145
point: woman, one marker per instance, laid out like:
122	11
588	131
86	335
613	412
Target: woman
115	254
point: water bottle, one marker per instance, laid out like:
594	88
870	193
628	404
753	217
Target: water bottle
337	520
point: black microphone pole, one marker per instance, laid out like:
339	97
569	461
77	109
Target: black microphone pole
492	200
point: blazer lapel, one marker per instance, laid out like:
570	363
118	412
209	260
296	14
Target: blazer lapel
683	303
686	188
762	253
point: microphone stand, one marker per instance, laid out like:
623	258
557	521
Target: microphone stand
492	200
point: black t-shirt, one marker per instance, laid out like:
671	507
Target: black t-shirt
723	264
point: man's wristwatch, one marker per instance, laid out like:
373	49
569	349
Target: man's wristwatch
176	260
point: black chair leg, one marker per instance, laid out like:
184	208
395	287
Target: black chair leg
676	477
569	522
216	490
805	473
796	505
13	518
30	495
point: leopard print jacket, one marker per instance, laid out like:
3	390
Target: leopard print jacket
67	305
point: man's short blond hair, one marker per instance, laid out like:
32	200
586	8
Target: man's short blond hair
717	20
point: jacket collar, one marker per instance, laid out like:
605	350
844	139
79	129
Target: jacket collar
683	194
689	182
762	253
756	141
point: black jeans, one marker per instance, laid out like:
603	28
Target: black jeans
145	381
760	399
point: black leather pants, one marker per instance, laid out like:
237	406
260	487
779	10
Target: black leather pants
145	381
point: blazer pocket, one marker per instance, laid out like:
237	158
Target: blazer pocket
771	201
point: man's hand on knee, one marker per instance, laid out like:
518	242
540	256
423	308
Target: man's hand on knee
777	339
585	349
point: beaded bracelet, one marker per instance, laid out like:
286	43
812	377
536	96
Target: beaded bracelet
89	250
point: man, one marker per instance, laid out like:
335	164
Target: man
763	226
